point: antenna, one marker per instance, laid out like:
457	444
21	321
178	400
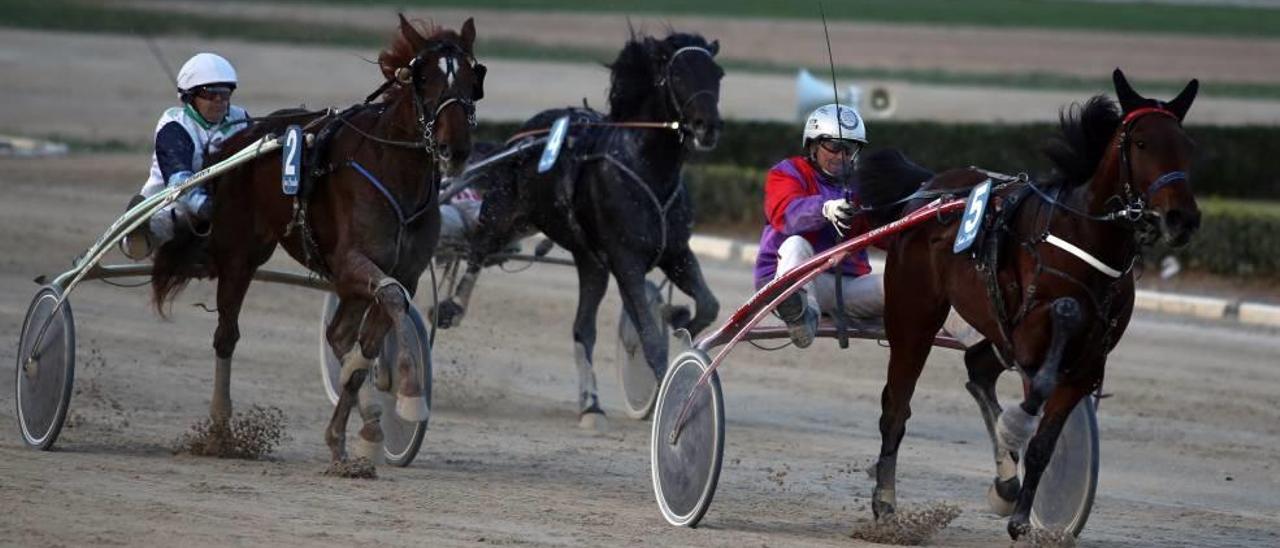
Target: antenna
831	59
155	52
835	94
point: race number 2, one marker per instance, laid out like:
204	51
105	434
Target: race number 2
292	156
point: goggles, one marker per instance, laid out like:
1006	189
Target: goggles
210	93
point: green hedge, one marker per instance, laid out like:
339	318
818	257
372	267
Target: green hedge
1233	162
1235	237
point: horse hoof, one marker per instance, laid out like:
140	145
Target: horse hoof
997	503
449	314
594	421
371	450
1018	526
412	409
881	509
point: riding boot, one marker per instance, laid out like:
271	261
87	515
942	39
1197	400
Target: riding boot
801	319
139	243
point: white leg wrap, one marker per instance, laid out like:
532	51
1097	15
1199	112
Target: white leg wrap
587	394
412	409
1006	467
352	362
1014	429
371	411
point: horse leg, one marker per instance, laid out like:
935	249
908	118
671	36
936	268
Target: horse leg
234	278
1014	426
360	278
630	275
1040	449
912	323
449	312
683	270
984	368
593	281
341	335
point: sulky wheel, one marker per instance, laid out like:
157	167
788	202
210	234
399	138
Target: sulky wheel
1065	495
639	386
401	438
46	367
686	469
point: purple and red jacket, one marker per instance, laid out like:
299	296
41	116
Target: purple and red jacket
793	196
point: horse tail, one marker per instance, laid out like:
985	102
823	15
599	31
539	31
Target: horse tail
885	178
175	263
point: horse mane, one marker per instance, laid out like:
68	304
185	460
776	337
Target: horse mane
632	75
404	48
885	177
1085	133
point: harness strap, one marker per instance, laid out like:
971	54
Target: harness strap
658	205
1082	255
395	206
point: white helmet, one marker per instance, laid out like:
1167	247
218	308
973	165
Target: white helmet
204	69
821	124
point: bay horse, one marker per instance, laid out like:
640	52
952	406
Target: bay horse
1049	281
614	198
370	225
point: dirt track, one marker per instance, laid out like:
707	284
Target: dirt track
1189	455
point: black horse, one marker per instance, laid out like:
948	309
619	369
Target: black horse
614	197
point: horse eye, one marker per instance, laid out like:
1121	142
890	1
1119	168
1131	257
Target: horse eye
1140	144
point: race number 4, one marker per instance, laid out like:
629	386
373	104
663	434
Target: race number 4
552	150
971	224
291	171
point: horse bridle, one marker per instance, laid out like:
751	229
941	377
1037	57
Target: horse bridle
665	82
1136	203
449	58
411	76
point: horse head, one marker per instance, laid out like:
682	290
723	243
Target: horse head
685	66
1154	155
440	72
674	79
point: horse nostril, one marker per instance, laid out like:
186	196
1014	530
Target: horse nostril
444	152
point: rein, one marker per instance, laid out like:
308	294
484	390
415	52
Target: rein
642	125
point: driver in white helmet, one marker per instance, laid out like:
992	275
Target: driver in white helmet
809	206
185	136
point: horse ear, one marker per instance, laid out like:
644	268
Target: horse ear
468	34
714	48
1129	99
411	34
1180	104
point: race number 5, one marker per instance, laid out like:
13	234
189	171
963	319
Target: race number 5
291	171
972	221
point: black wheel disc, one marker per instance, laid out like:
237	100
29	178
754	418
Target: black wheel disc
401	438
45	373
685	472
1064	497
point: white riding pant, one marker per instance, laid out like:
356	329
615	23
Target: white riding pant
458	219
863	295
164	222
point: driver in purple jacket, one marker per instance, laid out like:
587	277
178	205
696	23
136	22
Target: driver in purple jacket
806	213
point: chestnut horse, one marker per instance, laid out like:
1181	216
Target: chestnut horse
370	222
1049	283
